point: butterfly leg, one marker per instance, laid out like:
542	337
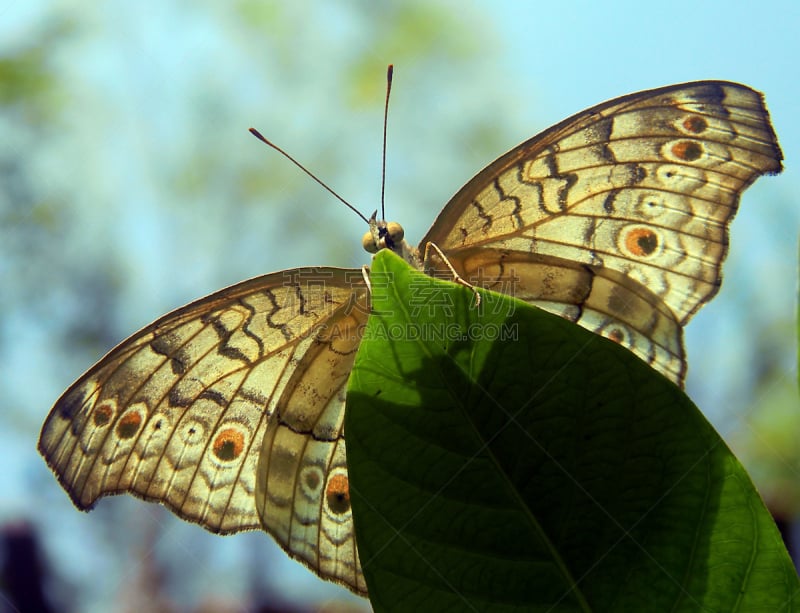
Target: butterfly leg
456	277
365	274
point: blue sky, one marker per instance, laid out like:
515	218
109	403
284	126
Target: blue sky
152	87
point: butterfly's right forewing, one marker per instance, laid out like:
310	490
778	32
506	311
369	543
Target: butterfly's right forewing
640	191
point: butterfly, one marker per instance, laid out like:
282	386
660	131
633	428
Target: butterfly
229	410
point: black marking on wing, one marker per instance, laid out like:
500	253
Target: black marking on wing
608	203
252	397
177	400
487	219
569	179
163	345
246	327
71	403
600	134
215	397
225	335
276	308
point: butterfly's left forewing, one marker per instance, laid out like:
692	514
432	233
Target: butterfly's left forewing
178	413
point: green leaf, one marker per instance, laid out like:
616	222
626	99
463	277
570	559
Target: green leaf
501	457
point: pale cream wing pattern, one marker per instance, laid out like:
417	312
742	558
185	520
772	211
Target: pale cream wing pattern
617	217
230	410
225	409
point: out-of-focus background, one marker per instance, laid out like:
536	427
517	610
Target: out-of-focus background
129	185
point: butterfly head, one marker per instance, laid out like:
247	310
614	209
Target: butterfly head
389	235
383	235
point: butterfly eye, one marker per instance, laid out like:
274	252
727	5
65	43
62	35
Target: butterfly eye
369	243
395	231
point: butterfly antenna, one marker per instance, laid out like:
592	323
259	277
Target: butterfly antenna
261	137
389	73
